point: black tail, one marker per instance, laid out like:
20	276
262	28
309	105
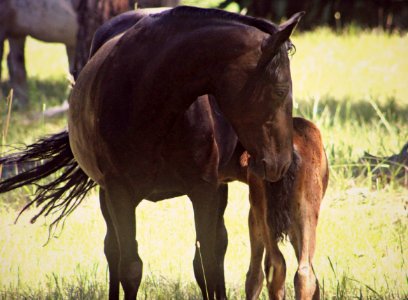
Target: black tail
61	194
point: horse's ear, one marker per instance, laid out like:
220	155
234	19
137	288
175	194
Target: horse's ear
273	43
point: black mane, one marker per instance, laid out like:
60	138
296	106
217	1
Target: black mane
279	200
190	11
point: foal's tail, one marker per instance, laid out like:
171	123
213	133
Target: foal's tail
61	193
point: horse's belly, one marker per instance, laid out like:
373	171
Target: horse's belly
46	20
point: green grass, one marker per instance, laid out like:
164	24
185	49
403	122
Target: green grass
352	85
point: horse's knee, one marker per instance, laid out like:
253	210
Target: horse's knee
306	284
111	249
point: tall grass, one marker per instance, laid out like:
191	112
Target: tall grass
352	86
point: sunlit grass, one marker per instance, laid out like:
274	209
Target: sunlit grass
339	80
357	66
361	232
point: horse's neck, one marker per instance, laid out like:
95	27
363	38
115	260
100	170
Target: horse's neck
191	65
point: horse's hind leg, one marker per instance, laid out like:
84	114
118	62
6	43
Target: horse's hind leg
208	268
255	276
111	249
121	208
303	239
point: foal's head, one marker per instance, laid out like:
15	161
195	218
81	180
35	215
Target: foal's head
261	111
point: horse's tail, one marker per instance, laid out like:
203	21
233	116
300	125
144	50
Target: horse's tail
59	194
279	200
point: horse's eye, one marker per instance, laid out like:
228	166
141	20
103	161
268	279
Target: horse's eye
281	92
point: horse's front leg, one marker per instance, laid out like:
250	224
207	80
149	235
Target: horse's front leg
209	204
111	249
221	242
303	239
121	207
275	270
274	263
255	276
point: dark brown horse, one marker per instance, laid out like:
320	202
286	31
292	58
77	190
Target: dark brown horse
138	84
123	111
290	206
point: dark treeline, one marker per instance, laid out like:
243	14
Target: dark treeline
386	14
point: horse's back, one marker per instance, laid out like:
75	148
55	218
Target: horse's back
313	170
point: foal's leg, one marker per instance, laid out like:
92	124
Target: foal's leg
275	270
121	209
17	71
207	209
303	239
255	276
111	249
274	264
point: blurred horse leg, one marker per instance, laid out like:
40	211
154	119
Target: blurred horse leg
121	207
17	71
207	208
111	249
71	58
2	39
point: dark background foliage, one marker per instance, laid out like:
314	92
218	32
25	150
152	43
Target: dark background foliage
387	14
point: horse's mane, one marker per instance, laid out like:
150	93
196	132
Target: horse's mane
279	200
194	12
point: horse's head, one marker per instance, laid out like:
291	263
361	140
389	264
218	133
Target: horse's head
261	108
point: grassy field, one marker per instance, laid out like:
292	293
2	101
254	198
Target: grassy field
354	86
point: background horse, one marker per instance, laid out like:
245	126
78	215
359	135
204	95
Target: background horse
290	206
46	20
122	111
54	21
